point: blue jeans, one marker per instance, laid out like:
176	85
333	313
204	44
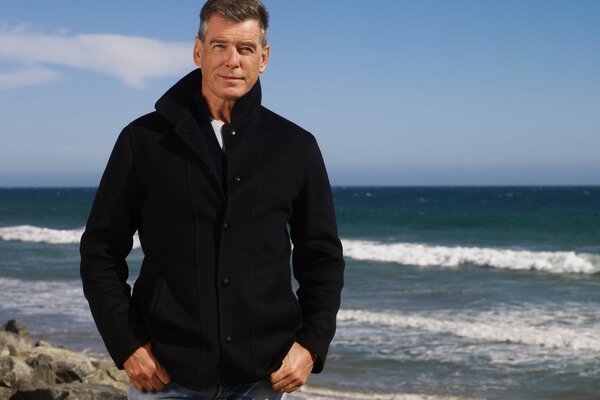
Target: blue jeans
260	390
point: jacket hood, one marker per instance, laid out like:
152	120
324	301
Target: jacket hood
178	102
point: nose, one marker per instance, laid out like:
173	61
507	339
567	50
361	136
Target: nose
233	58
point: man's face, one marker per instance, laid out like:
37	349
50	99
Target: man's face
231	57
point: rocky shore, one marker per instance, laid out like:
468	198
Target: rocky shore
42	371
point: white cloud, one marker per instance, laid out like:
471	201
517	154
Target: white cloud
130	59
28	76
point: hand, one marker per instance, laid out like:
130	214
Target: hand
144	370
294	371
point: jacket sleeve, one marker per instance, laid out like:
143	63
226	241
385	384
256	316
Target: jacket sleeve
106	242
317	259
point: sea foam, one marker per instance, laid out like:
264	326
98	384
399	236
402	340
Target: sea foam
43	298
442	256
35	234
422	255
531	326
315	393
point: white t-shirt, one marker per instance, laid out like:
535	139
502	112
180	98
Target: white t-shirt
218	128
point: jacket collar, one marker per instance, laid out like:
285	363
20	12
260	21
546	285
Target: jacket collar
184	99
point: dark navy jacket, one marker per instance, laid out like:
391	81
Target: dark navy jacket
214	293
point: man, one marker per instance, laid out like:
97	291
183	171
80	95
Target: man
216	185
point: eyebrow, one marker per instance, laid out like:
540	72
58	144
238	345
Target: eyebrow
245	43
248	43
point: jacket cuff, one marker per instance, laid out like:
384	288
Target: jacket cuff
315	349
123	349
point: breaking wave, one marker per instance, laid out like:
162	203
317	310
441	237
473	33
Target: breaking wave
315	393
533	326
35	234
422	255
441	256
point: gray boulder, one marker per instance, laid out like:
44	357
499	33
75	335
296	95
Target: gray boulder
18	328
15	372
43	343
102	377
71	391
14	343
103	363
54	372
70	366
107	374
6	393
44	369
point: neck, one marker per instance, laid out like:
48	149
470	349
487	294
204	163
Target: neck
217	108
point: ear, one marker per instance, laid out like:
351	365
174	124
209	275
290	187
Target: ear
198	51
264	58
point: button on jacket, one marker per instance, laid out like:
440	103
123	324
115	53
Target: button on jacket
214	294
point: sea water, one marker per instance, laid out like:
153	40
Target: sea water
450	292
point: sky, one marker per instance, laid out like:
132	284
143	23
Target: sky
397	92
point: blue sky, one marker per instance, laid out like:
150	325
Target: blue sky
397	92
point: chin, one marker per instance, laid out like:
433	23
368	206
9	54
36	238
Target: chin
232	94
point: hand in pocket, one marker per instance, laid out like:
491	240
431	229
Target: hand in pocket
144	370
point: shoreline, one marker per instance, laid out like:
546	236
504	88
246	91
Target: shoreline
31	366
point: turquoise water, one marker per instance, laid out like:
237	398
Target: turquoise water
478	292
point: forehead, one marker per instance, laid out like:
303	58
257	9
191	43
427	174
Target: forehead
219	27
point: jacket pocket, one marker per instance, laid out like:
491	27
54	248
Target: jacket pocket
277	320
170	320
276	308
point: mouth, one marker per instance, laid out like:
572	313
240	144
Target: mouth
230	78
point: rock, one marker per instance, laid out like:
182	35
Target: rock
6	393
118	375
15	372
53	372
70	366
71	391
102	362
15	337
109	366
43	343
15	343
103	378
18	328
108	374
44	369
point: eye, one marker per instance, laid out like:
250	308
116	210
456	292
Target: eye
246	50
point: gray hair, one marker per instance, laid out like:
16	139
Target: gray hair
236	11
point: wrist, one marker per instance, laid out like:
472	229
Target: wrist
313	356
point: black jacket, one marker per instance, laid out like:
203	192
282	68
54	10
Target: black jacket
214	293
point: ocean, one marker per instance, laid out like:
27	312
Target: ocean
450	292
